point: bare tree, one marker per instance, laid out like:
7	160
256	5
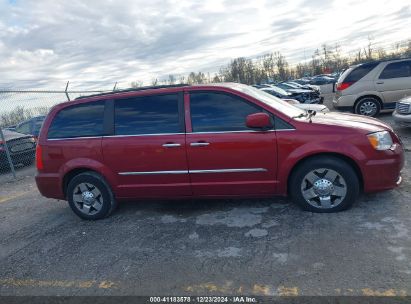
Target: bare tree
137	84
171	79
154	82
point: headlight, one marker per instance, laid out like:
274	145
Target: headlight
380	140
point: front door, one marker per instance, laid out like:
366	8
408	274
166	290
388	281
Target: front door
224	156
147	151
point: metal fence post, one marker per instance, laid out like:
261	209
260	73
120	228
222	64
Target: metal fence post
7	153
67	95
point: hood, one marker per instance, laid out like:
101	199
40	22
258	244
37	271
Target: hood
9	135
367	124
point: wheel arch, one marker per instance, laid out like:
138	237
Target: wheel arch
339	156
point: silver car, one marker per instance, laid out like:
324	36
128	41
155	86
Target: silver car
402	113
368	88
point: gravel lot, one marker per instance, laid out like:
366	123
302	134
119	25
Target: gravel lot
251	247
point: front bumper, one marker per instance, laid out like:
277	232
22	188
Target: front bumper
402	119
384	172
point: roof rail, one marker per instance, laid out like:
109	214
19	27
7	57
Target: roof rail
395	58
135	90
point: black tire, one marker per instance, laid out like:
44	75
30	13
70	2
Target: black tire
373	104
91	179
298	183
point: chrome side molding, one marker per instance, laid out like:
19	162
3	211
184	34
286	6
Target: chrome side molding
242	170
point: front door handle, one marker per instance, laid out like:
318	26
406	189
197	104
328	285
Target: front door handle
380	82
199	144
171	145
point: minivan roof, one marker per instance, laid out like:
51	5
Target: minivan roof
134	90
231	85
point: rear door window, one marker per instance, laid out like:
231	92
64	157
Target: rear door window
359	72
157	114
83	120
396	70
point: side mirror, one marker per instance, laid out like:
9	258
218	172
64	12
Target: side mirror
259	121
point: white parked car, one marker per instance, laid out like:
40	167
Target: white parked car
402	113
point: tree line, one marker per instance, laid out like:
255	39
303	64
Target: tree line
274	66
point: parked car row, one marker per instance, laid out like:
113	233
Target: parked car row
284	90
318	79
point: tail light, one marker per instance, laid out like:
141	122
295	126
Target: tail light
343	85
39	158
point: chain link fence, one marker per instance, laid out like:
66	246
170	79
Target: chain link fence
21	116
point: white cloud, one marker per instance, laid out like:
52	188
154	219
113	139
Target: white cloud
97	43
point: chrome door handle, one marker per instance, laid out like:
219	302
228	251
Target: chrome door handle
171	145
199	144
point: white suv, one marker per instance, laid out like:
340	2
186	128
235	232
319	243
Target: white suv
368	88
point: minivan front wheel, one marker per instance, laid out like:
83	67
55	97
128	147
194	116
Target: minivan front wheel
368	106
90	197
324	185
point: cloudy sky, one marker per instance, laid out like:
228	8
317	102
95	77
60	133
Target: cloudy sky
94	43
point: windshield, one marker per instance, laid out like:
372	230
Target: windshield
270	100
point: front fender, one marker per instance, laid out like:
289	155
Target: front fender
288	161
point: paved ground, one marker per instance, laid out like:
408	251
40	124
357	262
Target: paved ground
206	247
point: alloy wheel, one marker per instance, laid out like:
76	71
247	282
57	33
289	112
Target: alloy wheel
87	198
324	188
368	108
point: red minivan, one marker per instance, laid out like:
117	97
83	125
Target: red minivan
210	141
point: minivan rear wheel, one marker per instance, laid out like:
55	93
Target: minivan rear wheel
368	106
324	185
90	197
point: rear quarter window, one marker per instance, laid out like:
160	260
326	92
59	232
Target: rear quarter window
83	120
359	72
396	70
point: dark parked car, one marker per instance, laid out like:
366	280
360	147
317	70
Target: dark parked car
31	126
303	96
322	80
22	149
210	141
